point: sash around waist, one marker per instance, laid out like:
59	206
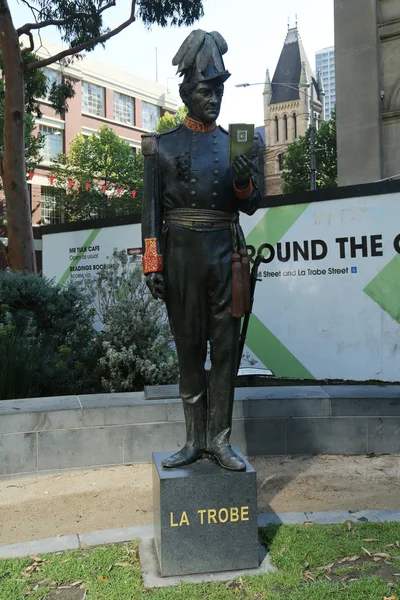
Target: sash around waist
197	217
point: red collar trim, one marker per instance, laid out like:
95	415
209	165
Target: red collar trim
197	126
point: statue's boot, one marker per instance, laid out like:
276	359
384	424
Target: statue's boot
227	458
186	456
196	423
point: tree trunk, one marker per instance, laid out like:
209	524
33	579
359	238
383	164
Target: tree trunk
21	250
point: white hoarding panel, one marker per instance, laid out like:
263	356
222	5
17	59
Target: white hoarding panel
78	255
327	305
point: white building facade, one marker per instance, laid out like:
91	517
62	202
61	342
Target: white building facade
325	66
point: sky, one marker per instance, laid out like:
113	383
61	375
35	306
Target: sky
255	31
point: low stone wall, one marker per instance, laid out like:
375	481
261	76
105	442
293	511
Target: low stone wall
70	432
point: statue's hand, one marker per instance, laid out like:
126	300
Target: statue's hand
243	169
156	285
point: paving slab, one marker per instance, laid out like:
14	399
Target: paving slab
56	544
296	518
152	578
115	536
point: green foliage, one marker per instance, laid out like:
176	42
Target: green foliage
136	344
97	160
297	160
59	94
47	341
168	121
170	12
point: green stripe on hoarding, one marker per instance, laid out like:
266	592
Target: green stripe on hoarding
78	257
270	351
384	289
270	229
275	224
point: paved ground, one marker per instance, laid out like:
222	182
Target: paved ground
96	499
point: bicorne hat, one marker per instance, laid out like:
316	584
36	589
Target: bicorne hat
200	57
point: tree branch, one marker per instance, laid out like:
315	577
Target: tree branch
31	44
39	64
56	22
30	26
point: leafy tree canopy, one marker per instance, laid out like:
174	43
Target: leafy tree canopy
168	121
297	160
81	27
102	159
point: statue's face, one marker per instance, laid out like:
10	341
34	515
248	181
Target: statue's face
204	103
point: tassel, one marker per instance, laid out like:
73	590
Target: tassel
246	280
237	286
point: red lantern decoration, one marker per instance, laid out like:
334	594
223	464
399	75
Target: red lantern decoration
51	179
70	183
87	185
104	187
133	193
119	191
31	174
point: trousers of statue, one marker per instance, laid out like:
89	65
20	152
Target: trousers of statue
198	279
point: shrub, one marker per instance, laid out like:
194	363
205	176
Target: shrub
136	342
47	342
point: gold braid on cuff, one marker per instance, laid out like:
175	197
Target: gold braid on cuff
152	262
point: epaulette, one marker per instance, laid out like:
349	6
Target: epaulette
150	143
170	130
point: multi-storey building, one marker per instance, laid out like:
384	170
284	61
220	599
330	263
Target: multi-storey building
104	95
325	67
367	45
288	106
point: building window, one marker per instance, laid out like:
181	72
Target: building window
151	116
50	205
92	99
124	108
285	126
295	125
280	162
277	129
53	142
51	77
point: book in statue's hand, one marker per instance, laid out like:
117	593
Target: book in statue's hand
241	140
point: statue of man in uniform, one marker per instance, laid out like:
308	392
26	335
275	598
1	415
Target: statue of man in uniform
194	250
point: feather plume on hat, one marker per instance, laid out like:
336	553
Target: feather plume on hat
200	56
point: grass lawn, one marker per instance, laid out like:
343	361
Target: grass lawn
316	562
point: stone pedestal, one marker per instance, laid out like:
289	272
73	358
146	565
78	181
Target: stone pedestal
205	518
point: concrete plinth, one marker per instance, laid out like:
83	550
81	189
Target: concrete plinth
205	518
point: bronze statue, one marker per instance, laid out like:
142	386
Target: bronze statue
194	250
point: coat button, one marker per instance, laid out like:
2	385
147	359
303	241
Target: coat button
215	194
214	135
216	182
215	142
213	206
216	172
193	193
215	150
216	159
193	205
193	181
